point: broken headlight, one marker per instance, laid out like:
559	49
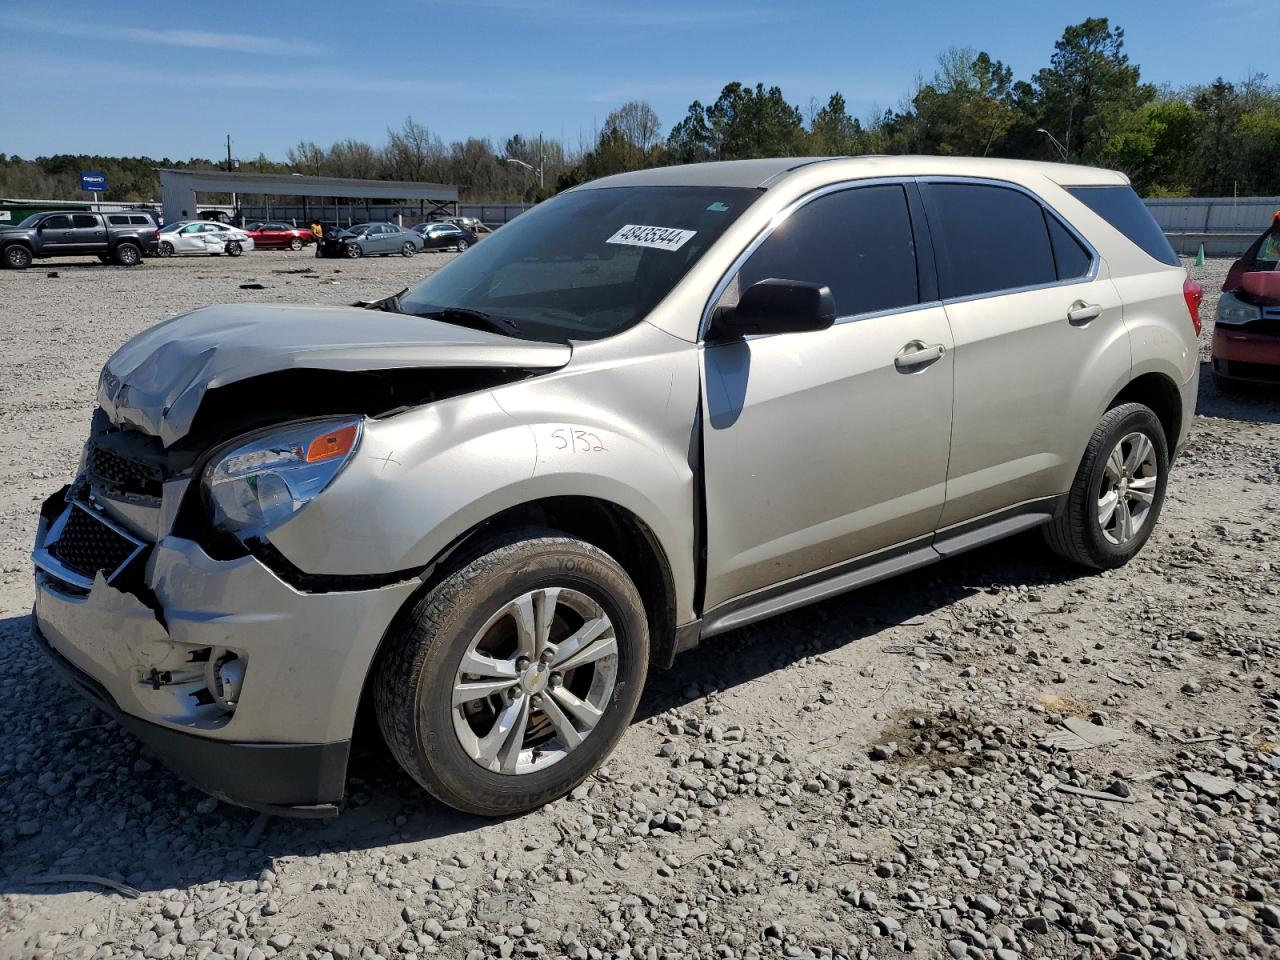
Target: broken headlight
1232	311
263	482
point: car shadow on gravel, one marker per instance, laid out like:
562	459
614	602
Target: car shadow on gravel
81	796
1246	402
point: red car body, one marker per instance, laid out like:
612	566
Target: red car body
1246	334
279	236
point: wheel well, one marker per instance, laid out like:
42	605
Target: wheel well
617	532
1158	392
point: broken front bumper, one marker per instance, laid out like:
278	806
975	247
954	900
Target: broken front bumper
240	683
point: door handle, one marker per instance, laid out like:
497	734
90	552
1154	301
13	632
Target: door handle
1081	312
917	355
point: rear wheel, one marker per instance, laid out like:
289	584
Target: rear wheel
295	244
128	254
17	256
513	678
1118	491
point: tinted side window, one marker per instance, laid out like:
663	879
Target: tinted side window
85	220
858	242
988	239
1121	208
141	221
58	223
1069	254
116	220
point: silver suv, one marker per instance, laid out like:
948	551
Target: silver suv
655	408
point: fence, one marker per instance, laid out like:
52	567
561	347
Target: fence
1225	225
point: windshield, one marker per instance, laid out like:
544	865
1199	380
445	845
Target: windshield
587	264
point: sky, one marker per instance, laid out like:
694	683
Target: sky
172	79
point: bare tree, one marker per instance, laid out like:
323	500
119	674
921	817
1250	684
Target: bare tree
412	151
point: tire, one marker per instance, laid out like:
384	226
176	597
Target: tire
234	248
1079	534
462	246
408	250
165	249
127	254
17	257
352	251
440	746
295	244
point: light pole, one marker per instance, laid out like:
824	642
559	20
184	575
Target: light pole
539	170
1054	140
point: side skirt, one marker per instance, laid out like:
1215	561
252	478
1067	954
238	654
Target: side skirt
868	569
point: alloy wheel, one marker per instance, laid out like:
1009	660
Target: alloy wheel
1129	480
535	681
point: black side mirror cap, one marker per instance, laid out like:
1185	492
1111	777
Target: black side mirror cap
776	306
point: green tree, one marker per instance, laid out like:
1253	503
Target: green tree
743	123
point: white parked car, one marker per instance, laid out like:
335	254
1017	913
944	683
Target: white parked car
203	236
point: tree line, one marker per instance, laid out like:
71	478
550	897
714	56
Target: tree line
1088	105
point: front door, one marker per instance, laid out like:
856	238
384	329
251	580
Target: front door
57	234
825	446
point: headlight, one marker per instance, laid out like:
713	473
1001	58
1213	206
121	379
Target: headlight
1233	311
265	481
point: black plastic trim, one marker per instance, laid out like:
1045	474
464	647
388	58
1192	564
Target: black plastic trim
289	779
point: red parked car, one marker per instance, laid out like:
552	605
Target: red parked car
278	236
1246	331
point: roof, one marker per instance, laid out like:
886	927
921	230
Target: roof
765	173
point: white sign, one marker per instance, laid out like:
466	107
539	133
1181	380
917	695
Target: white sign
659	238
5	215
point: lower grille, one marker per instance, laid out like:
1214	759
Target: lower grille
84	544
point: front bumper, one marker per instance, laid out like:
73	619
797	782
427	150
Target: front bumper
294	779
241	683
1239	354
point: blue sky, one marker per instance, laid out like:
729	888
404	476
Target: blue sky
171	79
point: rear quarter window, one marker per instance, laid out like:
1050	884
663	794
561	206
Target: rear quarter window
117	221
1123	209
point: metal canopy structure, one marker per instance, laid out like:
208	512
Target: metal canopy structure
178	189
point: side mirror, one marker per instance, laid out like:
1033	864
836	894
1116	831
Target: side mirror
776	306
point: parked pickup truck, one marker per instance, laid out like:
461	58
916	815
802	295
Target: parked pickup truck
121	238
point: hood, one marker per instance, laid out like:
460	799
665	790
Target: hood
156	381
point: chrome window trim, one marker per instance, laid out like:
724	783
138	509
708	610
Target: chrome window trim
780	217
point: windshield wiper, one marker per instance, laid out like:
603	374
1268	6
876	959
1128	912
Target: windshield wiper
465	316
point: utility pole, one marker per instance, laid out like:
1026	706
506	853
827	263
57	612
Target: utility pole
230	167
542	164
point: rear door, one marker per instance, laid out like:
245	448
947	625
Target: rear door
88	234
1039	340
825	446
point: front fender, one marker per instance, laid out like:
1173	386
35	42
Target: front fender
611	426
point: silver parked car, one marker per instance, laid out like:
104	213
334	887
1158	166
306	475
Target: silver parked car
650	410
370	240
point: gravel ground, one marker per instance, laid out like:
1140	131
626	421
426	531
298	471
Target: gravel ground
885	772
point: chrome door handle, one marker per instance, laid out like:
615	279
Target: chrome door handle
1081	312
917	354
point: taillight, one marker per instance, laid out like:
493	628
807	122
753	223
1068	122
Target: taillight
1193	293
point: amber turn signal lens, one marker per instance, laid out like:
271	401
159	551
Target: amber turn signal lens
329	445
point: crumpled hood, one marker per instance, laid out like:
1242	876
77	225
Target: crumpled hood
156	381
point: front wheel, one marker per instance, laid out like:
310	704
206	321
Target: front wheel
512	679
1115	499
234	248
18	257
462	246
165	249
353	251
295	244
408	250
